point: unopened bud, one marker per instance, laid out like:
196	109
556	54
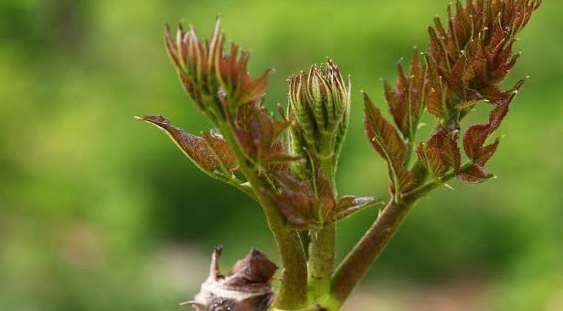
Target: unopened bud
320	103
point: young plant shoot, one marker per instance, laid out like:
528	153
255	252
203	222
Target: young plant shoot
288	164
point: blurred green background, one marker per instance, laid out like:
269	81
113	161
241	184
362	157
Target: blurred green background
100	212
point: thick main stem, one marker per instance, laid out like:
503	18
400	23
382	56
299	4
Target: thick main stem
293	290
323	241
360	259
321	260
292	293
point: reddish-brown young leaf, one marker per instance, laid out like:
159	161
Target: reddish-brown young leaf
382	135
474	174
194	147
485	153
437	104
474	143
233	74
440	153
407	101
221	150
476	135
431	159
474	138
211	76
194	62
437	101
260	135
210	153
499	113
474	54
348	205
387	142
296	201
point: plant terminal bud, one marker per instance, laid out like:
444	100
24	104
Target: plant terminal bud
320	104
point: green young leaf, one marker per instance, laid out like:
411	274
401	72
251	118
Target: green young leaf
348	205
386	141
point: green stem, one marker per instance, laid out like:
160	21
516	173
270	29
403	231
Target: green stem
410	148
321	261
323	241
360	259
423	190
292	293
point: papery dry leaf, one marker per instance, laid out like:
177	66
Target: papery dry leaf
245	288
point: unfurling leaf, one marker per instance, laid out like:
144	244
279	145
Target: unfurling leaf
215	80
474	138
474	145
437	102
474	174
470	57
221	150
194	62
407	101
297	202
440	153
390	146
210	153
348	205
234	78
245	288
259	135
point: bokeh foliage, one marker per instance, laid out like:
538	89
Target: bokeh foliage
93	212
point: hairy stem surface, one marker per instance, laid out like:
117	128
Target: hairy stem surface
321	261
360	259
292	293
323	241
